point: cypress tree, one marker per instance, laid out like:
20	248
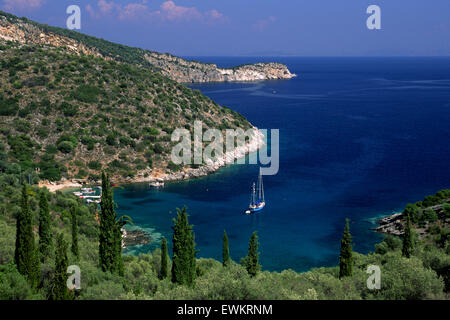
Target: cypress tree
225	250
110	235
164	255
45	239
74	248
105	238
408	242
25	255
346	255
118	261
121	221
183	261
252	260
59	283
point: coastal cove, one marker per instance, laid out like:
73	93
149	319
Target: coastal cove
359	138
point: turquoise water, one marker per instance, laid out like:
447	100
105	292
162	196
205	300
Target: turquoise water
359	138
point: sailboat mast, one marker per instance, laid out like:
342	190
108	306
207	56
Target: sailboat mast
262	189
259	186
253	197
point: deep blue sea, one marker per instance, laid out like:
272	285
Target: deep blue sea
359	138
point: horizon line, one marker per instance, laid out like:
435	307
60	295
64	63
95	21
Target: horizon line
233	55
307	56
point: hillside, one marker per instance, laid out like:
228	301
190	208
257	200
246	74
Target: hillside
64	115
425	275
26	31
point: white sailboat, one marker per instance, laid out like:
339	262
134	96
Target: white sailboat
257	201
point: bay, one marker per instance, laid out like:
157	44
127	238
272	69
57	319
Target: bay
359	139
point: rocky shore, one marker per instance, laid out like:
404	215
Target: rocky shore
146	176
136	237
392	224
255	143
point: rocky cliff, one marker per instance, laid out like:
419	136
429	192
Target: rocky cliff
182	70
26	31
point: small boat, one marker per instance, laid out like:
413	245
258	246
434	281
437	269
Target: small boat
257	202
157	184
87	190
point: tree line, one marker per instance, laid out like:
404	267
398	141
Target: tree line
28	256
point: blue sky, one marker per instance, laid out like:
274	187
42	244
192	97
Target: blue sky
257	27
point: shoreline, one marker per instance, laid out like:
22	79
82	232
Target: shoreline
254	145
390	225
256	142
54	186
394	224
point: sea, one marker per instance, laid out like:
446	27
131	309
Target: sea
360	137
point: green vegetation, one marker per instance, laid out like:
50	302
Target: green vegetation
26	255
45	238
66	116
86	93
425	275
225	250
59	289
73	116
74	222
390	243
184	264
119	52
251	261
346	256
430	217
408	241
110	248
164	257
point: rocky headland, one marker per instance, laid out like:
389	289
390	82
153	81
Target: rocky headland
182	70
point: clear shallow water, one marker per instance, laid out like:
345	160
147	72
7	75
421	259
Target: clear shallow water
359	138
